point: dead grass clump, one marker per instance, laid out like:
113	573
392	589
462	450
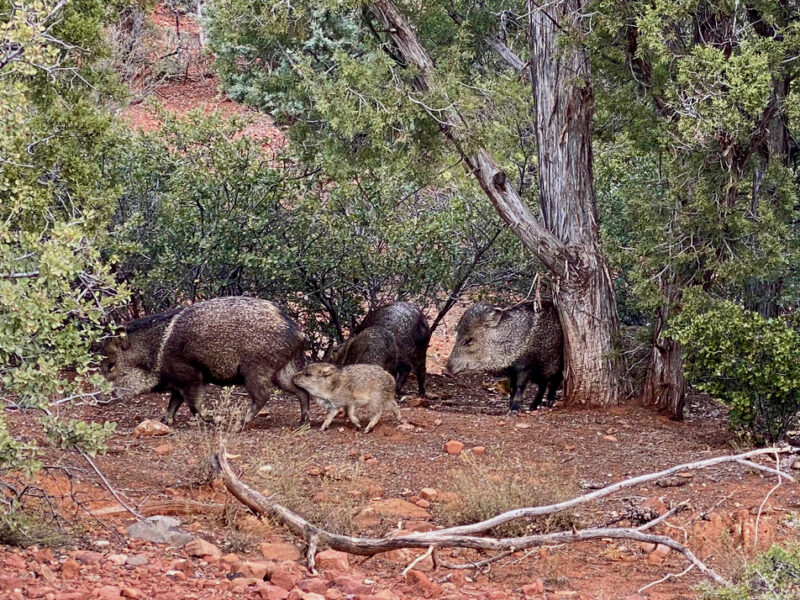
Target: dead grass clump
327	496
482	491
228	418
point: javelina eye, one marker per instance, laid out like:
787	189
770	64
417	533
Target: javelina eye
468	342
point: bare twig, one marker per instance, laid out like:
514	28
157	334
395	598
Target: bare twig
667	577
418	560
108	486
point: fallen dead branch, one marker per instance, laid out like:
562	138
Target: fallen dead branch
459	537
166	507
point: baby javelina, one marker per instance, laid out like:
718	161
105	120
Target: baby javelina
350	387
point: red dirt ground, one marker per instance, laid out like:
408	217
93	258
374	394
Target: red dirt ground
341	477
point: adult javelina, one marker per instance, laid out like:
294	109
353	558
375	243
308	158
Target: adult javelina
224	341
411	334
351	387
374	346
521	343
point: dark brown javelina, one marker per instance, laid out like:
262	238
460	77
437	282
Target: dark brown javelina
521	343
372	346
411	334
223	341
350	387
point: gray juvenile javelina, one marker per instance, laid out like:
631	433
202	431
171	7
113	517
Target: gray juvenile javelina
372	346
411	334
521	343
224	341
352	386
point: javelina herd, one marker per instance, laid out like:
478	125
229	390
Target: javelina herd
242	340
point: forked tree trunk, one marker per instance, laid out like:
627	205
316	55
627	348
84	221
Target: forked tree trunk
665	384
567	241
562	94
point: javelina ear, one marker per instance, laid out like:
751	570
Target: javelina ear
493	318
327	370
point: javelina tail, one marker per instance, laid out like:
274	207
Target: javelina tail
283	379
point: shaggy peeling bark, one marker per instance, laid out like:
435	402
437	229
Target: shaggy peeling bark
665	384
462	537
567	242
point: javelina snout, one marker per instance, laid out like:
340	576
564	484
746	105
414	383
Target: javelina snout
350	387
522	343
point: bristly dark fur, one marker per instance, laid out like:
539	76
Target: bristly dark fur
152	320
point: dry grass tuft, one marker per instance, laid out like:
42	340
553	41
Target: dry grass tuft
483	491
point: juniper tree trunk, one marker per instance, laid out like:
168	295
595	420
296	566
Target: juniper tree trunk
562	94
567	241
665	385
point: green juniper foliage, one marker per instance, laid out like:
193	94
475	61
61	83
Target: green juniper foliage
56	287
206	212
747	361
775	575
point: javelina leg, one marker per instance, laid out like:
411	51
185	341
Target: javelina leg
259	386
283	379
402	375
331	413
175	401
396	410
373	421
539	394
555	383
351	414
420	373
518	381
193	395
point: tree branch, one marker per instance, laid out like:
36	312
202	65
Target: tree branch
454	536
489	174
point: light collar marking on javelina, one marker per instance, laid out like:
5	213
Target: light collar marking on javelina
165	338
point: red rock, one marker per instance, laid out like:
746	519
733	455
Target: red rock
133	593
458	578
107	592
313	584
257	569
230	559
286	575
117	559
279	551
149	428
384	595
428	494
453	447
422	503
46	573
272	592
315	471
374	490
479	449
610	438
662	550
70	568
647	547
9	583
15	561
201	548
656	505
43	556
429	588
420	526
495	594
333	594
352	585
533	589
396	507
69	596
38	592
163	449
88	558
332	560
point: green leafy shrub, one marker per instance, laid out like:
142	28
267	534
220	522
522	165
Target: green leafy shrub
775	575
209	212
747	361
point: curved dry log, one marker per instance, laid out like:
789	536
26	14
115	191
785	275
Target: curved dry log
456	537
